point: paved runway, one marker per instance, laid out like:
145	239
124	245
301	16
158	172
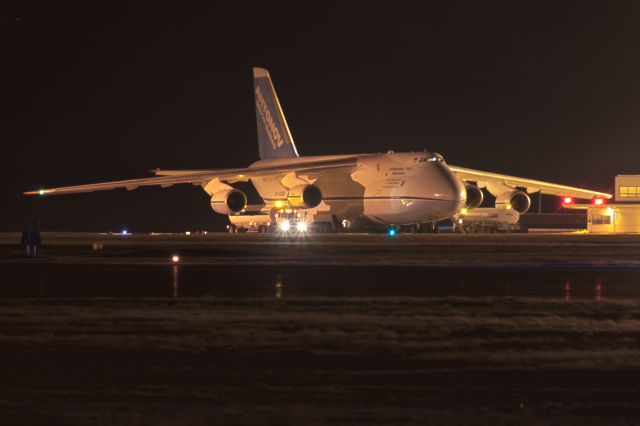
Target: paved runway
449	250
328	329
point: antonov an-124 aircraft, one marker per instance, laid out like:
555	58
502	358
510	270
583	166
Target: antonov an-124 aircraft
367	190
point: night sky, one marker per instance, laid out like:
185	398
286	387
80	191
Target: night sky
546	90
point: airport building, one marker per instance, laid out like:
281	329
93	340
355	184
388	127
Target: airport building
620	216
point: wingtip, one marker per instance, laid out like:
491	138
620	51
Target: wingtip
40	192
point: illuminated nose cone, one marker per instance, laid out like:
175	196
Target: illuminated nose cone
447	188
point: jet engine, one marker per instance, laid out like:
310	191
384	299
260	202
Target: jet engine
518	200
474	197
228	201
304	196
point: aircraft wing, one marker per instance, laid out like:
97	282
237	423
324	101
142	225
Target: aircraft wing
202	177
531	185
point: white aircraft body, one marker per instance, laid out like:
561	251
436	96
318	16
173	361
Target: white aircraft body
382	189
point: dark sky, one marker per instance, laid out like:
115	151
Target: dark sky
547	90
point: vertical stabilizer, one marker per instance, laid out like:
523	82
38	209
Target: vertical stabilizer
274	137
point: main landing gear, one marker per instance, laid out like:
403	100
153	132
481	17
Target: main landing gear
418	228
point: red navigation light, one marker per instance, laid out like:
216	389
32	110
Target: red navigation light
567	200
598	201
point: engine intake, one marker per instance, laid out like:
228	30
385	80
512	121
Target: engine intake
518	200
228	201
474	197
304	196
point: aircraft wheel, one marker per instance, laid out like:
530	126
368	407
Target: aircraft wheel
428	228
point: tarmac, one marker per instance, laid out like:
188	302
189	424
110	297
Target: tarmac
553	250
320	329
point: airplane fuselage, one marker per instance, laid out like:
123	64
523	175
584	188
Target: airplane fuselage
386	189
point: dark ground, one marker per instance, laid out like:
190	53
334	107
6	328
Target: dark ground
571	250
343	358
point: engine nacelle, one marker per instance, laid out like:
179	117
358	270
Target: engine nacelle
474	197
517	200
304	196
228	201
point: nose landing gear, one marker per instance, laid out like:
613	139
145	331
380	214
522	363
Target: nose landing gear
428	228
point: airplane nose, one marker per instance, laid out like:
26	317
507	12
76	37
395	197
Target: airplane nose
448	187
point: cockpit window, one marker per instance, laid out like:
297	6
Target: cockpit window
431	157
435	158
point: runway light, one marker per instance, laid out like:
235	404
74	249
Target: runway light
598	201
301	226
41	192
567	200
284	225
175	258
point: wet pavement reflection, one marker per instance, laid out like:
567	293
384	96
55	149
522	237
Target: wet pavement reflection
175	284
179	280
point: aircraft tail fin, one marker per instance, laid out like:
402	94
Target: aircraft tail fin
274	137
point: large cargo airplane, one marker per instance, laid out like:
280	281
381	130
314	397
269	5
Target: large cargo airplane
379	189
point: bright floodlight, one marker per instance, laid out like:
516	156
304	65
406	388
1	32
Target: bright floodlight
301	226
284	225
175	258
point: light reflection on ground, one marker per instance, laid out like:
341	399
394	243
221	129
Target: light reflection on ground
311	281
